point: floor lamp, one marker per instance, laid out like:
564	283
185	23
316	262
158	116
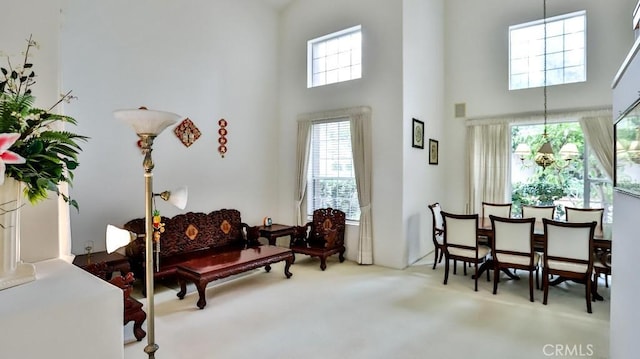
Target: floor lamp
148	124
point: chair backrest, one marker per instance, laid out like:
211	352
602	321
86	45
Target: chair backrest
571	242
512	236
576	215
438	223
496	209
328	226
460	230
538	212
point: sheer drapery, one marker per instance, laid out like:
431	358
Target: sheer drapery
488	166
598	132
302	164
360	118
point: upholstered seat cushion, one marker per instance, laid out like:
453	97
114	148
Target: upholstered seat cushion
566	266
483	251
515	259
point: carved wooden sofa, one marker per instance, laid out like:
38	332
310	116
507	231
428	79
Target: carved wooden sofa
322	237
190	236
132	307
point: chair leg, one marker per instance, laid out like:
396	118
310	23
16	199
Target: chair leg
323	262
476	277
435	258
455	266
606	280
545	285
588	294
446	269
496	279
464	268
531	285
537	279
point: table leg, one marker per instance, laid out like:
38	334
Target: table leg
288	263
183	288
202	301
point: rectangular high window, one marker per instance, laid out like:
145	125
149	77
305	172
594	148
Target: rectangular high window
565	45
335	57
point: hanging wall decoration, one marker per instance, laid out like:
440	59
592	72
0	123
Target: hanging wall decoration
187	132
222	140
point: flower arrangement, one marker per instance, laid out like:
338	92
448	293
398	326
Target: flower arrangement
32	151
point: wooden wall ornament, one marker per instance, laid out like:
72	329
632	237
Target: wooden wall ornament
187	132
222	140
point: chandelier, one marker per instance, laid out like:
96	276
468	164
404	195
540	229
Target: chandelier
545	156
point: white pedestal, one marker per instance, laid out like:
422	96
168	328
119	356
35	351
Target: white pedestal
65	313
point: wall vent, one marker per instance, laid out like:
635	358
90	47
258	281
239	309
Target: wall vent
460	110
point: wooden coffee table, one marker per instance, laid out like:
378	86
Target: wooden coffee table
202	271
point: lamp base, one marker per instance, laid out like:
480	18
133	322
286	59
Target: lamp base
151	350
24	273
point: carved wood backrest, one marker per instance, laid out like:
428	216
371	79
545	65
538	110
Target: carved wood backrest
327	227
193	231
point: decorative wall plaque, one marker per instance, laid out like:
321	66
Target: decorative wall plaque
222	140
187	132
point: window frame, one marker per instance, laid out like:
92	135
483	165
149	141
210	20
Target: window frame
326	39
529	70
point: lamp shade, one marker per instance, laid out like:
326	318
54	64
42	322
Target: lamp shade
177	197
569	151
522	150
118	238
143	121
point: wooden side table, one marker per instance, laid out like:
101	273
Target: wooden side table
115	261
274	231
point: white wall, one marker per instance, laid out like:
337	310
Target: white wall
202	59
423	98
476	51
39	235
380	88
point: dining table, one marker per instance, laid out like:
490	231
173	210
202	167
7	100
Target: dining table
601	245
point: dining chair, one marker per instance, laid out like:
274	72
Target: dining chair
512	247
461	242
538	212
496	209
574	215
587	215
568	253
437	233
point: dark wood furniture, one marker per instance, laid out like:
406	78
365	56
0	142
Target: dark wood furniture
437	233
568	253
274	231
204	270
190	236
512	247
115	262
322	237
461	242
133	311
601	247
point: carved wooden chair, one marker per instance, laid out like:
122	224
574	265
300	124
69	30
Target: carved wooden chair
538	212
132	307
322	237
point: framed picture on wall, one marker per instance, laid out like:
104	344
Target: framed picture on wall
418	133
433	152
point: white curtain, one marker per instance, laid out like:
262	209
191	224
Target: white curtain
598	132
361	147
488	165
360	123
302	164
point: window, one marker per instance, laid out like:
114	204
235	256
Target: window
582	183
331	178
335	57
565	51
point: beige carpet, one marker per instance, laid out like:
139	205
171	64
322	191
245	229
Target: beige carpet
353	311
